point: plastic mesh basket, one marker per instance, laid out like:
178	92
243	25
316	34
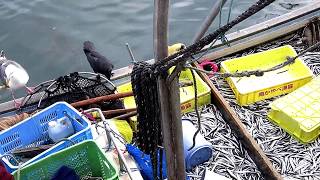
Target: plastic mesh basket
86	158
252	89
298	113
34	131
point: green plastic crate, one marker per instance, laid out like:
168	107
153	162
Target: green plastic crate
86	158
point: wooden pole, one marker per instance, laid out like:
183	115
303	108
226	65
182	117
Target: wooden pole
169	98
118	111
209	19
127	115
101	98
254	150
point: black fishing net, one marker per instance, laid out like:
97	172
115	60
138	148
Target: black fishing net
70	88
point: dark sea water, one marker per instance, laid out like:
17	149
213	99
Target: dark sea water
46	36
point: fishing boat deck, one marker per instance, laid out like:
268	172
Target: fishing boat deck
292	159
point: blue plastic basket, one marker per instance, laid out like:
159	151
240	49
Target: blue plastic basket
34	131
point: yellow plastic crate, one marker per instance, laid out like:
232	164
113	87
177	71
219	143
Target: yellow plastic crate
298	113
186	95
285	80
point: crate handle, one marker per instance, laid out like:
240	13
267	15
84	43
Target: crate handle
19	163
66	139
75	119
10	156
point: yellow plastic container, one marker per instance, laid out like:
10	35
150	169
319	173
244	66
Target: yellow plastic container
186	94
298	113
175	48
124	129
285	80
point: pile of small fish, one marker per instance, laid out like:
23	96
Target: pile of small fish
230	159
290	158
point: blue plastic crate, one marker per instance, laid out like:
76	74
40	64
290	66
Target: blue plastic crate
34	131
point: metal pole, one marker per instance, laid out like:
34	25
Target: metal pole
209	19
169	98
133	60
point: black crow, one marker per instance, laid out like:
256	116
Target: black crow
98	62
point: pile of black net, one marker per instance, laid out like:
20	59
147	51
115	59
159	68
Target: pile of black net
144	83
70	88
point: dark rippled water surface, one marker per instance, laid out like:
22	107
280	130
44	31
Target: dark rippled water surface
46	36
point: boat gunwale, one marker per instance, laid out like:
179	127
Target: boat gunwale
250	35
236	40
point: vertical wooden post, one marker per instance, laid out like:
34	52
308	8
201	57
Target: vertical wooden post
169	98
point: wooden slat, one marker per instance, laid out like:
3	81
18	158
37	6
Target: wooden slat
125	71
